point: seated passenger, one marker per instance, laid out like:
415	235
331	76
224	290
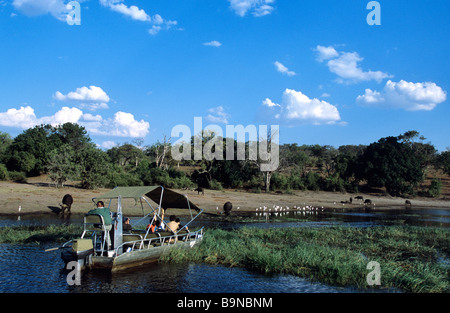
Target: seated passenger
179	225
159	227
173	225
126	227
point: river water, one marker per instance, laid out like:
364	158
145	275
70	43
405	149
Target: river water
28	269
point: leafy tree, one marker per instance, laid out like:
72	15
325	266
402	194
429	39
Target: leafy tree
34	144
391	164
62	165
5	142
443	161
94	167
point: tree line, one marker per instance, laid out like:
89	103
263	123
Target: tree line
398	164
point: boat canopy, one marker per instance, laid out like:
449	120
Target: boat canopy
166	198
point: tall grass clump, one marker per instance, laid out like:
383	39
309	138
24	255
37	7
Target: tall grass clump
409	257
39	234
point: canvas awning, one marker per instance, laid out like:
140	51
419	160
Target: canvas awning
170	199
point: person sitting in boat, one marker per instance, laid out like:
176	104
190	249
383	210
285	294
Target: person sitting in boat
158	226
173	225
106	214
152	225
178	221
126	227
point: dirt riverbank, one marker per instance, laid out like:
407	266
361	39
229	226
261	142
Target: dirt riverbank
38	196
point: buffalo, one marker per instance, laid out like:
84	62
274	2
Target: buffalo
227	208
200	189
66	203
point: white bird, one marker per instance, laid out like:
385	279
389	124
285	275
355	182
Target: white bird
237	208
20	208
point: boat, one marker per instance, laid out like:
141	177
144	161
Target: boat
136	247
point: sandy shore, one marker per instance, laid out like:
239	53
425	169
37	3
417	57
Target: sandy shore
38	196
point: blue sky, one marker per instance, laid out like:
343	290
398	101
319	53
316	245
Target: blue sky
136	69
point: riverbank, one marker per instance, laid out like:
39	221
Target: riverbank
39	196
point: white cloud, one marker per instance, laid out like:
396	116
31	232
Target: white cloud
132	11
92	94
161	24
56	8
217	115
91	98
405	95
297	108
158	23
124	125
256	7
108	144
326	53
20	118
213	43
121	125
346	66
283	69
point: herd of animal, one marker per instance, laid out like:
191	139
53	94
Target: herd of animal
67	202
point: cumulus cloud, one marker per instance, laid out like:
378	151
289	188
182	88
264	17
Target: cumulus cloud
326	53
298	108
92	93
346	66
121	125
56	8
91	98
21	118
156	21
217	115
256	7
283	69
213	43
132	11
405	95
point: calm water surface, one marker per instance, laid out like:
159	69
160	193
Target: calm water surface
28	269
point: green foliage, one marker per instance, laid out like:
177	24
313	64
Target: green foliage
62	165
4	175
435	188
66	152
443	162
94	167
408	256
391	164
18	177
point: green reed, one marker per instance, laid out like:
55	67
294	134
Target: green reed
409	257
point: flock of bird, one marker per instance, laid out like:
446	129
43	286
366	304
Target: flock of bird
280	210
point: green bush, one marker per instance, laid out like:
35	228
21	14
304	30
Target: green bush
435	188
18	177
4	175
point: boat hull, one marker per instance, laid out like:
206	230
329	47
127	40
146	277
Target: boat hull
87	259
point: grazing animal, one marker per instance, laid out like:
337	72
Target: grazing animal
407	202
359	198
227	208
66	203
200	189
367	202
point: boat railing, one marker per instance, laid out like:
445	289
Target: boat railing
147	243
